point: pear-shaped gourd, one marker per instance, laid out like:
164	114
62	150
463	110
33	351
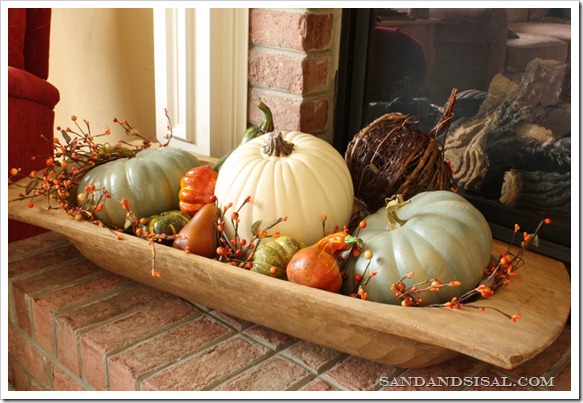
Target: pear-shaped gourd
199	235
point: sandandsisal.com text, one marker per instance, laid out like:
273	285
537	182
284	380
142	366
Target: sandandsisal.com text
465	381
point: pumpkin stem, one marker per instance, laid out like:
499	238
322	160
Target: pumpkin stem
393	206
115	152
266	125
276	146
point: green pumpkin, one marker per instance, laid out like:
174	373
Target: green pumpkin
436	234
168	222
266	126
150	182
272	258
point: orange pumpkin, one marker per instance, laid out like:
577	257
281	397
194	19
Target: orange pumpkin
196	188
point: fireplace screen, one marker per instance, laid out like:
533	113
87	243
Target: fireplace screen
509	143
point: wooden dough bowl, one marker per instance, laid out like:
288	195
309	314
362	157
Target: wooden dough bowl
402	337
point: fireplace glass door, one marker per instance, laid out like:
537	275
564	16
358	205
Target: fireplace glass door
509	142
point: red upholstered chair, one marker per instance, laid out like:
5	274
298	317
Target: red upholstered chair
31	98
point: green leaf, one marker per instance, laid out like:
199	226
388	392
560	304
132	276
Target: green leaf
535	240
255	227
66	136
31	186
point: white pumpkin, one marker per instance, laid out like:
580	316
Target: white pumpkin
287	174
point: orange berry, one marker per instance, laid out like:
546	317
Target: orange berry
407	302
515	317
125	204
485	291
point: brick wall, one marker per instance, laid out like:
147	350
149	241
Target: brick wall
292	67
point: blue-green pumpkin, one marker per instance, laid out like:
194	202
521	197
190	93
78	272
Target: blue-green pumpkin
150	182
435	234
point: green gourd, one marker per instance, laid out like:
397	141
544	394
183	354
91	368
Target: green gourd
149	182
168	222
435	234
272	258
266	126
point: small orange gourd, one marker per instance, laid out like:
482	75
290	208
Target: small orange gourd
196	188
316	266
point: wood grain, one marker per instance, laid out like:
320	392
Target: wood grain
402	337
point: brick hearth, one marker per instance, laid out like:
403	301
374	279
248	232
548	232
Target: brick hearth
74	326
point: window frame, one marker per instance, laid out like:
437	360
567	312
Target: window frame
201	76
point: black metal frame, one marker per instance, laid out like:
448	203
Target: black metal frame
351	75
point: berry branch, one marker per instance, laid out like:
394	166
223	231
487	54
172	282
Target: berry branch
497	274
73	158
